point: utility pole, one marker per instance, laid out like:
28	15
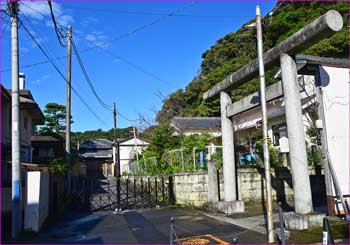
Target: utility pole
16	157
68	106
264	126
135	140
116	142
114	136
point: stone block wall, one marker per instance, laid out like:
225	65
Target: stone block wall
192	188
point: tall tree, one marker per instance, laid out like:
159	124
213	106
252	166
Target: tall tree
55	120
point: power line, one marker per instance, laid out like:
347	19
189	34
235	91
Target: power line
36	11
59	34
61	74
92	87
124	117
157	13
113	39
58	28
104	105
142	27
137	67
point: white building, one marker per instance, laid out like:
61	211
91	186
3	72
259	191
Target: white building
97	155
129	148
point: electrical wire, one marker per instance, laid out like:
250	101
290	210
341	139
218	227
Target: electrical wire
113	39
137	67
5	26
61	74
106	106
142	27
87	78
156	13
36	11
125	118
59	34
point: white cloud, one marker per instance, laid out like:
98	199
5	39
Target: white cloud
96	38
90	38
40	10
41	79
65	20
23	50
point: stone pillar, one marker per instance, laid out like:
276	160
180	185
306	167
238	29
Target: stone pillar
228	152
296	136
213	191
230	204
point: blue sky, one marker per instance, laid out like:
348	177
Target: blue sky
156	59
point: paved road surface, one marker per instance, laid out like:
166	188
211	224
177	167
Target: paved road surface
144	226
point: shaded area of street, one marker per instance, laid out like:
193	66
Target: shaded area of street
144	226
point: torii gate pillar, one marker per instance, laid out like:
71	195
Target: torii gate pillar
230	203
296	136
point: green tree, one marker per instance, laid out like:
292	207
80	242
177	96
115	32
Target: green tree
55	120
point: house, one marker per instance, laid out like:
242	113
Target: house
47	146
196	125
30	116
129	147
97	155
324	94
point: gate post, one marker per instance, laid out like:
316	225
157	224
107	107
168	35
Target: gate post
228	151
109	193
296	136
142	191
149	190
155	187
134	191
231	204
171	191
118	194
127	192
163	195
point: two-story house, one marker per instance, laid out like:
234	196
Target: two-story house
30	116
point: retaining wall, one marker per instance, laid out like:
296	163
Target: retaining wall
191	188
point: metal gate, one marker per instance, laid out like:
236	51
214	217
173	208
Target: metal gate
123	193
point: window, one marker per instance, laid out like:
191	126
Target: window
278	131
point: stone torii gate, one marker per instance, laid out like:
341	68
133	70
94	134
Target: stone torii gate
322	27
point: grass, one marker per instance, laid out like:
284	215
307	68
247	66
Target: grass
339	230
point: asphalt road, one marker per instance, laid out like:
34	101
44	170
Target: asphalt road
144	226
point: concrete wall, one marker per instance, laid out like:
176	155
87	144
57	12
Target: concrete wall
192	188
37	203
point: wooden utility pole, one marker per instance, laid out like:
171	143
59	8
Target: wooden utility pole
16	147
135	141
114	136
264	125
68	106
116	150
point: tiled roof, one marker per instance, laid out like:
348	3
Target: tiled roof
44	138
196	123
97	144
98	154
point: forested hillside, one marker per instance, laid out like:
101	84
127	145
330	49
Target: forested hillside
238	48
